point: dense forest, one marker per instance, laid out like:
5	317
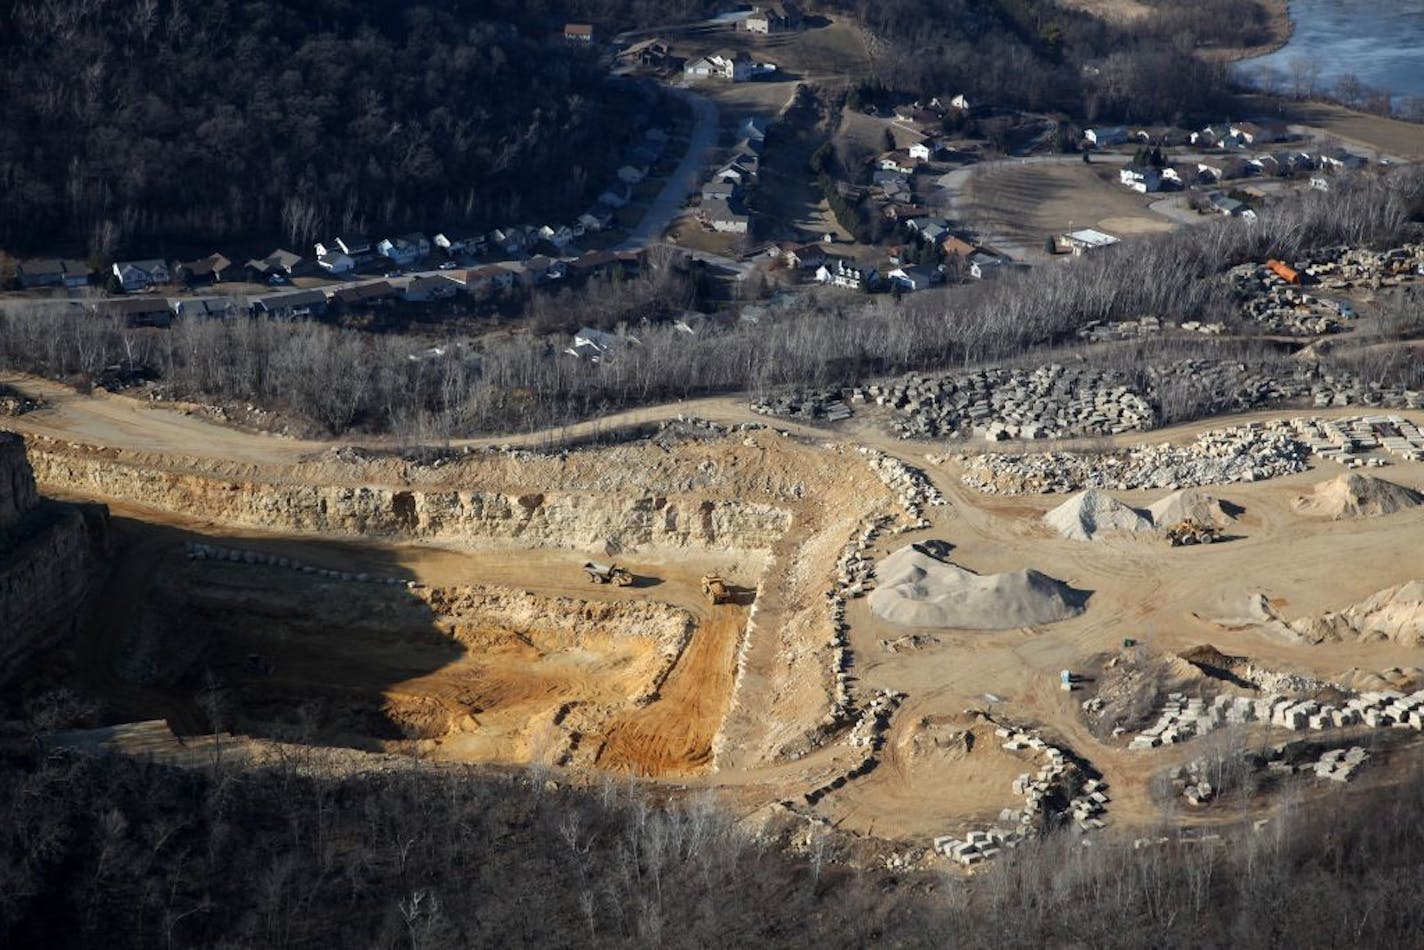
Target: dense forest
121	853
1047	57
127	121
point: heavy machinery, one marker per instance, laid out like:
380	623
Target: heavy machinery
607	574
1192	532
716	589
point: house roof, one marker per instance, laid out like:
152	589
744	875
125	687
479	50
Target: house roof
211	264
288	298
957	246
578	29
717	209
133	306
41	268
1091	238
360	293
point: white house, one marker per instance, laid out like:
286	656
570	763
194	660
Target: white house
1141	178
960	102
355	246
406	249
1103	137
840	272
335	262
141	275
925	151
916	277
1208	173
982	266
736	67
720	217
459	242
1087	239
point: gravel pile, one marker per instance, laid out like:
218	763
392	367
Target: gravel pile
1092	514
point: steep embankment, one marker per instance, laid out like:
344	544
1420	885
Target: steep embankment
48	555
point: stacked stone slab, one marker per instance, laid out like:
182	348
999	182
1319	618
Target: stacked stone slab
1096	331
1341	765
1182	718
1087	801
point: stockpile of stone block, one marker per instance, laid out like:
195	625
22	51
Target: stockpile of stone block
1340	765
1087	801
1096	331
1050	402
1340	268
867	734
1182	718
914	487
854	571
1343	439
1239	454
825	405
1191	780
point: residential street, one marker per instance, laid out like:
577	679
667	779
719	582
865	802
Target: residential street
684	180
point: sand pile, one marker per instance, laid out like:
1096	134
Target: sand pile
1195	505
917	589
1357	496
1396	613
1089	514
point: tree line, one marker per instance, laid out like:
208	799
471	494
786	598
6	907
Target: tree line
127	853
340	380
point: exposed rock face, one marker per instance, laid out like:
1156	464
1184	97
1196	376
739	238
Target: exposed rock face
553	519
17	483
48	557
1396	613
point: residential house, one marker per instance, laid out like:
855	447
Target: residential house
214	307
914	277
134	276
1215	136
578	32
1339	160
1086	240
631	175
138	311
1105	136
898	161
743	168
776	18
955	246
592	222
840	272
928	230
490	277
460	241
335	262
404	250
70	274
884	179
1141	178
595	345
1320	183
733	66
289	305
799	256
752	130
926	150
205	270
376	293
983	265
722	191
1230	207
561	236
280	263
653	53
426	288
1208	174
355	246
959	102
719	216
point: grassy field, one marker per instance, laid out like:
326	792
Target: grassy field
828	54
1029	203
1390	136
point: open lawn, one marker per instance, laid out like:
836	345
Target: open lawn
1030	202
1389	136
830	53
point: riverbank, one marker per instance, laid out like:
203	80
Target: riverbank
1280	27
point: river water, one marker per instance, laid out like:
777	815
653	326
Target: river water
1380	42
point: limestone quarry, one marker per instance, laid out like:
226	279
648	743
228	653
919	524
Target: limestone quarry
918	649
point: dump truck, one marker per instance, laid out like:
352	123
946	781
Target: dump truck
716	589
607	574
1192	532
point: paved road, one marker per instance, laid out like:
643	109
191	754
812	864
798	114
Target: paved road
681	182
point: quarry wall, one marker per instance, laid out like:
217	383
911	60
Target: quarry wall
50	555
550	519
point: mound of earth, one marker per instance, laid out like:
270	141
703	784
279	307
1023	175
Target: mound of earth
1193	504
1089	514
1396	613
917	589
1357	496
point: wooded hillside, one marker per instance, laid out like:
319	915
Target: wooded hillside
131	122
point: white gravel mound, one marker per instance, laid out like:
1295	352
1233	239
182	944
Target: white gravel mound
1091	514
1192	504
1357	496
916	589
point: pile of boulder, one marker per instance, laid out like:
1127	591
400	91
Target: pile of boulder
1340	765
1239	454
825	405
1191	780
1343	267
1050	402
914	487
1281	307
867	734
854	571
1095	331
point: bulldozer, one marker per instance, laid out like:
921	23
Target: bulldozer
716	589
607	574
1192	532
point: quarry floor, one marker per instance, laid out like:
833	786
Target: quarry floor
931	779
